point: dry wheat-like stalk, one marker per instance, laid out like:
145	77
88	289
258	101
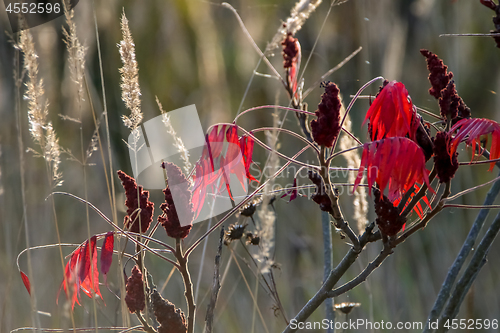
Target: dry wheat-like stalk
298	16
52	154
131	92
37	108
42	131
353	161
76	51
178	143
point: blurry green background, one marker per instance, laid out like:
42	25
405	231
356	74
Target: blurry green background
194	52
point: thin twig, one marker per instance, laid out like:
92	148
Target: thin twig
331	71
252	42
209	318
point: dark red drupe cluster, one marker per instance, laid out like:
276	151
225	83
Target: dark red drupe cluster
171	320
136	217
326	128
135	291
178	187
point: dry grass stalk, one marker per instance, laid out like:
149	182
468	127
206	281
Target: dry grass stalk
42	131
353	161
298	16
267	217
76	51
131	91
37	108
178	143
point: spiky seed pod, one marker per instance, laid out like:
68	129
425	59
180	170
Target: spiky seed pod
234	232
438	75
389	220
446	165
346	307
183	197
320	196
252	239
132	190
249	209
135	291
326	128
171	320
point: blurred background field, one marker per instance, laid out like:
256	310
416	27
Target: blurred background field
194	52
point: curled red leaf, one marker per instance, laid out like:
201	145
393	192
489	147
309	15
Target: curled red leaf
392	113
26	281
471	130
395	162
81	272
107	253
293	193
224	154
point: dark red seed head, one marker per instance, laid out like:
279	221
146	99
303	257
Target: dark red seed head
290	51
438	74
326	128
171	320
178	186
135	291
136	217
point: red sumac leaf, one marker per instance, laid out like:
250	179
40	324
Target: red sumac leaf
26	282
472	129
395	162
107	252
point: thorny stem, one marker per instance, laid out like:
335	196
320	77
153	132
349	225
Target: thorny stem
188	285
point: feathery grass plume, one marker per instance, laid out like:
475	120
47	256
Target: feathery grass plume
298	16
267	217
42	131
52	154
76	51
37	108
178	143
353	160
131	92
